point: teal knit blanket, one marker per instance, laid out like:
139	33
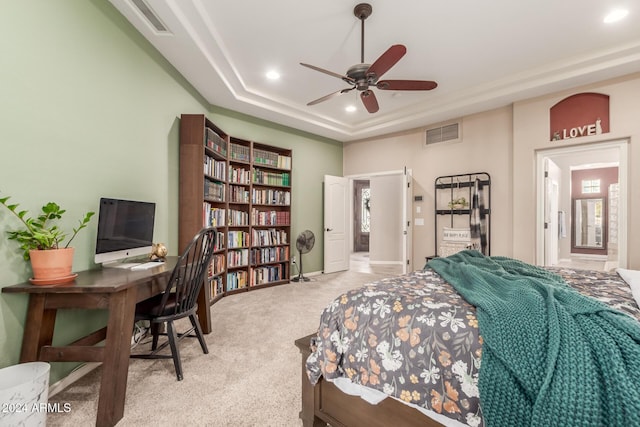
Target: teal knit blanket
550	356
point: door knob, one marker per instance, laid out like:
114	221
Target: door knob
329	229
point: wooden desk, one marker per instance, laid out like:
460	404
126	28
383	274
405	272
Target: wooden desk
112	289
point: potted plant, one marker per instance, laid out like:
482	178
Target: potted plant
42	242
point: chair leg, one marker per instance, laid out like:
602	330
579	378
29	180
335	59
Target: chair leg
198	331
155	332
173	342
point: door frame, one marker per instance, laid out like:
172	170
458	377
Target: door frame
357	235
407	225
622	144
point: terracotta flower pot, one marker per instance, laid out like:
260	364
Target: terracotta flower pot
51	266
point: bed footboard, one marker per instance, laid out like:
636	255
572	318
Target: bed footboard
325	403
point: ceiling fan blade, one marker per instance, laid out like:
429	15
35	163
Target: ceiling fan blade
387	60
331	95
331	73
406	85
369	100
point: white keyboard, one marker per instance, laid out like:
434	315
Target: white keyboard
147	265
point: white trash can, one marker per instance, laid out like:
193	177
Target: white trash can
24	392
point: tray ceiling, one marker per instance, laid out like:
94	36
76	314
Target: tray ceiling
482	54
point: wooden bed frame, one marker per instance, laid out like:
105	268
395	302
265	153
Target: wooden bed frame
325	403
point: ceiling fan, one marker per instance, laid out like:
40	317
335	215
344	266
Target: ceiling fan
363	76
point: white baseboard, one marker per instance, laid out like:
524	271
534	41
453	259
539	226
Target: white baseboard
74	376
385	262
589	256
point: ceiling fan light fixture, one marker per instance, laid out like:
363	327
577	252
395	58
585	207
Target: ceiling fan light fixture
350	108
273	75
615	16
364	77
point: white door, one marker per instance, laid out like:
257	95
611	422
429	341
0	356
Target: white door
551	212
407	221
336	224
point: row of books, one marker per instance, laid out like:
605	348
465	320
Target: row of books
267	255
270	158
238	239
237	280
239	152
212	216
215	142
213	191
238	175
215	168
239	194
268	274
219	244
217	265
238	217
271	178
237	258
270	197
216	284
270	217
268	237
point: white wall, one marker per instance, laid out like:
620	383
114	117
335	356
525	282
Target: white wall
485	147
531	133
502	142
385	238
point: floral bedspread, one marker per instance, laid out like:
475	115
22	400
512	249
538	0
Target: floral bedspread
415	338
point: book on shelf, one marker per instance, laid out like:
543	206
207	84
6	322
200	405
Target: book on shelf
267	274
237	280
268	237
239	194
239	175
237	257
239	152
217	286
215	142
217	265
215	168
271	178
213	191
213	216
269	158
238	239
238	218
267	196
268	255
259	217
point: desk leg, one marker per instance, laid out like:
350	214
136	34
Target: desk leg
38	329
115	366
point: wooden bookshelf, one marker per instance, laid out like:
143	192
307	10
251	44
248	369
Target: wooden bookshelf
244	189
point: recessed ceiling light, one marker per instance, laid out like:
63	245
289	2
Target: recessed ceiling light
273	75
615	15
350	108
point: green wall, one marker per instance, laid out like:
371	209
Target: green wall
88	109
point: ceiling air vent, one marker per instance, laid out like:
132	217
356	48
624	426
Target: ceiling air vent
446	133
151	16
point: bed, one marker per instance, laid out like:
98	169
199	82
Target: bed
416	339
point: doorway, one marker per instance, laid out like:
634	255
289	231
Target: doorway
389	219
361	215
564	174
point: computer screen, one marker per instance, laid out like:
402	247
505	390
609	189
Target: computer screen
125	230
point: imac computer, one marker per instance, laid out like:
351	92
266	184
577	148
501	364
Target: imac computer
125	230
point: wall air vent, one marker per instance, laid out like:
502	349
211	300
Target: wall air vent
151	16
446	133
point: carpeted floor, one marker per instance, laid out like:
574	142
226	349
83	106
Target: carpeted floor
251	376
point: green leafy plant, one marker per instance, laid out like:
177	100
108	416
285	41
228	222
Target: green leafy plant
458	203
41	233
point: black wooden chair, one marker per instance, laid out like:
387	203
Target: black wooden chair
179	300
